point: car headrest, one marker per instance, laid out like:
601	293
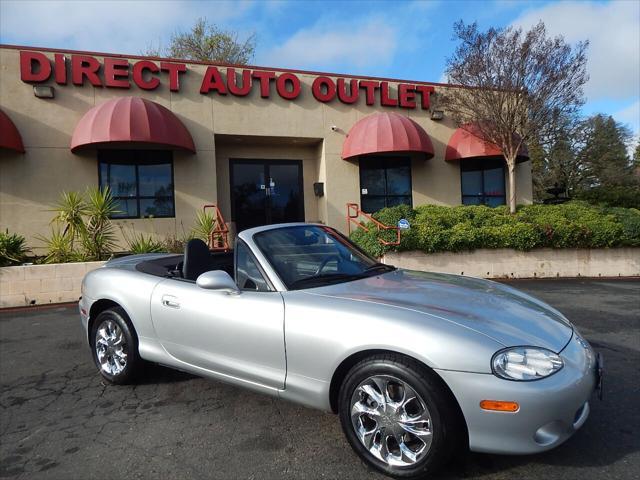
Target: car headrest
197	259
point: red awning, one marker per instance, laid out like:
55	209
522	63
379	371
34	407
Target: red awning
384	133
131	120
467	142
9	135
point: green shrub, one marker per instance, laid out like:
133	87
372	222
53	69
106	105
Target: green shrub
13	250
629	218
391	216
368	242
627	196
463	236
575	224
519	236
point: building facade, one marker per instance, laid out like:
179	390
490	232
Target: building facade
265	145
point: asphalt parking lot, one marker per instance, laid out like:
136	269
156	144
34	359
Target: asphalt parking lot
58	420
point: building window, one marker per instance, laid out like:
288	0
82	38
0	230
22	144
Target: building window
483	182
141	181
384	182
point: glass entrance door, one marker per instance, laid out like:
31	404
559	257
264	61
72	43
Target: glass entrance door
265	192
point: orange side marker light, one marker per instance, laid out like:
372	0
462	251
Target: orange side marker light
499	406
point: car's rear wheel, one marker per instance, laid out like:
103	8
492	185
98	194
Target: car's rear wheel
397	416
114	346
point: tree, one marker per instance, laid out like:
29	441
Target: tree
515	86
208	43
604	153
557	161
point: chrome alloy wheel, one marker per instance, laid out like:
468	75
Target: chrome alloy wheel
111	348
391	420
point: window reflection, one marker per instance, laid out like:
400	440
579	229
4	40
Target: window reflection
384	182
482	182
248	275
141	181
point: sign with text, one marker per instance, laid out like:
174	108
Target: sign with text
110	72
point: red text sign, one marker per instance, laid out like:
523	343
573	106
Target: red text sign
36	67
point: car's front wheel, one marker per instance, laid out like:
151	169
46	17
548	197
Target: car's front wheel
397	417
115	347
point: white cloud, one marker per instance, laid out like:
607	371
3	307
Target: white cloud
111	26
630	116
613	30
330	44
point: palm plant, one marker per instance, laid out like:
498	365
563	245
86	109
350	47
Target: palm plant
69	212
98	238
59	247
86	219
205	225
140	243
13	250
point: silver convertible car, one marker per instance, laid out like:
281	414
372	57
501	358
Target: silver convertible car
417	365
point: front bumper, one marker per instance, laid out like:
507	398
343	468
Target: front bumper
84	305
551	409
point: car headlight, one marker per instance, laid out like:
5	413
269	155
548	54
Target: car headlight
525	363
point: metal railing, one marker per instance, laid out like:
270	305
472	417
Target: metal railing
353	217
219	236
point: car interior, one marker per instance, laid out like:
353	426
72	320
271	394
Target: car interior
196	260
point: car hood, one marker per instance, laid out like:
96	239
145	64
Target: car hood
503	313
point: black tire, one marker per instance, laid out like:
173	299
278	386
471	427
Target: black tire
446	425
133	364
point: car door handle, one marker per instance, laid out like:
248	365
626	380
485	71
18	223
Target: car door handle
170	301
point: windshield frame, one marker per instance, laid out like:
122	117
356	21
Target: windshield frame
373	268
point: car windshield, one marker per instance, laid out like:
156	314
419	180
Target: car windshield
309	256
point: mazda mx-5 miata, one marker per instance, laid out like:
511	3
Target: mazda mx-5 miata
417	365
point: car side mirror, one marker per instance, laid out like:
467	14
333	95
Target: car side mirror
217	280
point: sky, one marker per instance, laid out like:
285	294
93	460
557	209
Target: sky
399	39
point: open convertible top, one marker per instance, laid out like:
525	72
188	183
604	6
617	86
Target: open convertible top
173	265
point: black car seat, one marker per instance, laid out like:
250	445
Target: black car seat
197	259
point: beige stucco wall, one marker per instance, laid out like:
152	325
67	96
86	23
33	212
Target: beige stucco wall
42	284
539	263
30	183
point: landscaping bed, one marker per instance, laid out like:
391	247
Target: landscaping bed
573	225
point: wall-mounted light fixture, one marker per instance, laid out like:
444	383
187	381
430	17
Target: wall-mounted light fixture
318	189
43	91
437	115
